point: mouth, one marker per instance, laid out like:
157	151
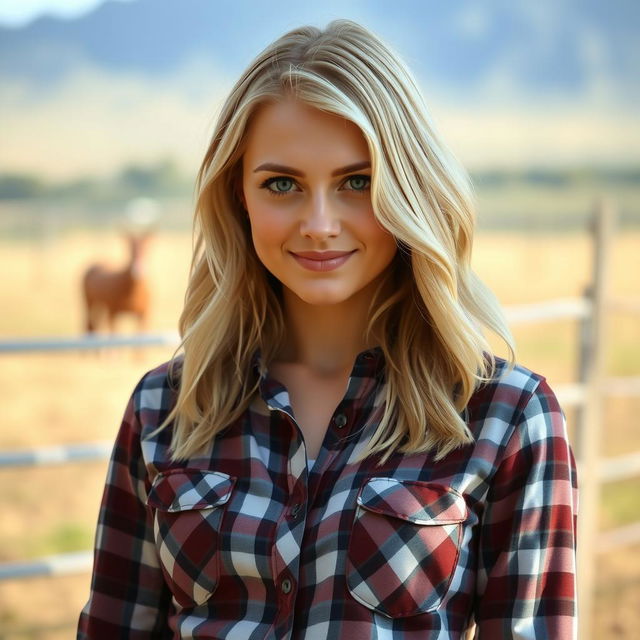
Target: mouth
321	260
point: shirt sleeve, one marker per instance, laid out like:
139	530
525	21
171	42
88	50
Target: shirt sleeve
527	570
128	595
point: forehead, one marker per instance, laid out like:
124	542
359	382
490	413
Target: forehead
292	131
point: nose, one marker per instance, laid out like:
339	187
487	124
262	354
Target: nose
321	220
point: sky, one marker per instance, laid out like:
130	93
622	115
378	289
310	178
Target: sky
19	12
497	118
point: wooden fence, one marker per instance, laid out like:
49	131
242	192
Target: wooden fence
587	395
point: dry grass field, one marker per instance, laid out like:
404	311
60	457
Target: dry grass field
68	398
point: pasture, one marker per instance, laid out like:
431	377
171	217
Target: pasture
69	398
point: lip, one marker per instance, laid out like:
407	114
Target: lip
321	260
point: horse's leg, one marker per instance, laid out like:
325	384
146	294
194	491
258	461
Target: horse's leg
111	326
92	317
111	320
89	324
142	321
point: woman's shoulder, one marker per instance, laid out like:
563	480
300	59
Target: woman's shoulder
512	396
155	393
164	377
512	383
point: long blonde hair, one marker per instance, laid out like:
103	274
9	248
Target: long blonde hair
429	328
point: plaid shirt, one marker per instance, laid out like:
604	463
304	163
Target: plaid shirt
244	542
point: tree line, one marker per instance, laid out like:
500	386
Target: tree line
165	178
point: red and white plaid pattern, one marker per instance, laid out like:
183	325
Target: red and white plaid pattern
186	528
404	545
244	542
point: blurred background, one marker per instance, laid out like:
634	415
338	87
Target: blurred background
105	113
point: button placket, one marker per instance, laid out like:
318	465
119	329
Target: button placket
340	420
295	510
286	585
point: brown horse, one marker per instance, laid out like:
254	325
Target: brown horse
118	291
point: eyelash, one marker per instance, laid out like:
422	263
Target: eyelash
269	181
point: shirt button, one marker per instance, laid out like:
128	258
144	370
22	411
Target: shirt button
295	510
286	586
340	420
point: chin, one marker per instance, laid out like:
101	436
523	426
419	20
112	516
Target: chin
321	298
323	301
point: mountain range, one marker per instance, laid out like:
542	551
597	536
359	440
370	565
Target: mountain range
547	47
484	60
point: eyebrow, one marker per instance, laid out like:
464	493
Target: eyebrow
280	168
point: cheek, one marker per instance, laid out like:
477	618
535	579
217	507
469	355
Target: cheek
380	240
387	250
269	229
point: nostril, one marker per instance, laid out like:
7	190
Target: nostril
320	229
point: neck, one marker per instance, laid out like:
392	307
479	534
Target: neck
326	339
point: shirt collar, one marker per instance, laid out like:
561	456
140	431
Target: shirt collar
368	366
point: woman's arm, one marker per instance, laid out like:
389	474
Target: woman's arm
128	595
526	574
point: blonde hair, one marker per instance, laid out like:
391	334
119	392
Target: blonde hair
429	328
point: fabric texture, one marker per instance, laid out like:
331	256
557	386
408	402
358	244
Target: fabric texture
246	542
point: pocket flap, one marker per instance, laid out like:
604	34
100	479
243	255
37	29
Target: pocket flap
186	489
413	500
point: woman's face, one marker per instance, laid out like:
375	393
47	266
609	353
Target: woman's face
306	177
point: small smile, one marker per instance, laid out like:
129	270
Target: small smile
321	260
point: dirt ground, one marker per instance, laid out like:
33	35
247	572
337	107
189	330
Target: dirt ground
60	398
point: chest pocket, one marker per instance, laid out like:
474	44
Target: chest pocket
188	507
404	545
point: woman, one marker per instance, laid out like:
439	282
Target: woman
336	454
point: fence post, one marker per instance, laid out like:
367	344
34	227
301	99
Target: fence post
585	347
588	441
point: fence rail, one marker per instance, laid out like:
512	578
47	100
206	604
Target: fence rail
55	565
549	310
89	342
84	452
619	467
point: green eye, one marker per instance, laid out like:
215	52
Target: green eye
279	185
282	185
359	183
